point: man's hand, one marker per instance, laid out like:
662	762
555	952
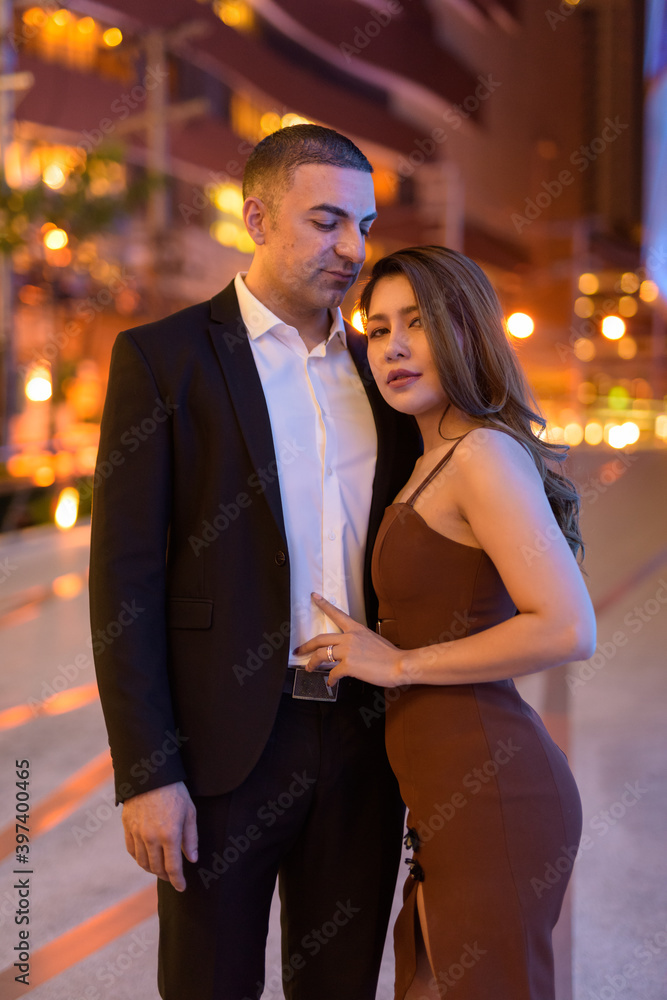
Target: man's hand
158	825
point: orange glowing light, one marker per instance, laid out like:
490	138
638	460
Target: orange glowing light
67	586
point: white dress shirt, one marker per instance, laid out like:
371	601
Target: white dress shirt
326	446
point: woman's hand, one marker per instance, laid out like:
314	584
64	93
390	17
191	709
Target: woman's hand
358	652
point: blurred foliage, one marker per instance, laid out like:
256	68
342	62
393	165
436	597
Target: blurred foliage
76	207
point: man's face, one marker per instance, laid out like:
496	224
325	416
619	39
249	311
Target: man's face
314	243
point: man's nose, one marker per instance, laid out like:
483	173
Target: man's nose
352	246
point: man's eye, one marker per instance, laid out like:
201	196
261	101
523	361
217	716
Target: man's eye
326	227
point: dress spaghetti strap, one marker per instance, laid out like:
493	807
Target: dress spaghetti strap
435	470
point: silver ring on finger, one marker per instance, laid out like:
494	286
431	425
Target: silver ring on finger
330	654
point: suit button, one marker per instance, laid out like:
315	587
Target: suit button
280	558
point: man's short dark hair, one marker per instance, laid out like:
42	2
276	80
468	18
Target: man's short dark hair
269	172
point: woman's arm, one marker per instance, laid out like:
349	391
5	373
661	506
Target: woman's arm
500	493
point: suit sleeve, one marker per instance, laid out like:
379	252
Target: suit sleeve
129	536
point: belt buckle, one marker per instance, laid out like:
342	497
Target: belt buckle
313	686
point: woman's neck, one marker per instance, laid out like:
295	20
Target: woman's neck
436	430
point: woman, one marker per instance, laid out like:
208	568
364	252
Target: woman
475	569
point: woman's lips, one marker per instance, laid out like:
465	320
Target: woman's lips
402	380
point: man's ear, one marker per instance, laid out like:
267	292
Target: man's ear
255	216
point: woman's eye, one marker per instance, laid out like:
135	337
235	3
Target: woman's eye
416	320
377	332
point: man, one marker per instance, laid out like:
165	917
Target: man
245	460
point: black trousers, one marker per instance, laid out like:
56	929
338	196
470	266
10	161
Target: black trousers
322	812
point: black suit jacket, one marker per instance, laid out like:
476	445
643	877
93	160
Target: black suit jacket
189	573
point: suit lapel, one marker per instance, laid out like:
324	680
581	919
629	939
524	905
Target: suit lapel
232	346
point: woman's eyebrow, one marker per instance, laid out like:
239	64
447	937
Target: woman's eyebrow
403	312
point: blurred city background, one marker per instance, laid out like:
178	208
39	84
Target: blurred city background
531	135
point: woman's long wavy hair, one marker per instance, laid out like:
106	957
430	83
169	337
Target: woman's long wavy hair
478	368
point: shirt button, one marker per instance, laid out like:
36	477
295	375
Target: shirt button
332	535
329	471
280	558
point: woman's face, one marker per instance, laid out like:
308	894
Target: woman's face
399	352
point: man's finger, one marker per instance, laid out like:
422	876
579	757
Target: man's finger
156	861
190	835
129	843
173	866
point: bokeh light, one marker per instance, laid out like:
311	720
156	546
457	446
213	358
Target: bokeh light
356	322
629	282
648	291
67	508
588	283
38	386
520	325
112	37
593	432
584	307
56	239
627	348
584	349
613	327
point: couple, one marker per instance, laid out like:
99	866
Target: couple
292	467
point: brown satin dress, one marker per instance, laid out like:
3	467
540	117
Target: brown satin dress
494	815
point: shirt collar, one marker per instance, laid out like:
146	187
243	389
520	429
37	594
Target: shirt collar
258	318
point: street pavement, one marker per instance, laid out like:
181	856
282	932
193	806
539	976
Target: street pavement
93	932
